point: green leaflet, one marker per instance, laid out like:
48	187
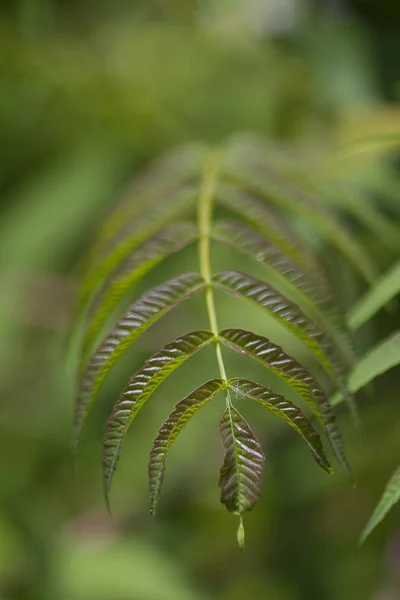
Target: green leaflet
267	183
285	312
164	177
309	289
292	373
265	219
390	497
132	236
166	242
141	315
383	290
241	473
381	358
140	388
184	410
287	411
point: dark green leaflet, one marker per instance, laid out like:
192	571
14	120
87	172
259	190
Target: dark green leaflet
285	312
287	411
294	374
164	243
242	470
304	285
140	388
141	315
132	236
184	410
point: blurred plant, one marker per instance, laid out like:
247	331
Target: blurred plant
246	177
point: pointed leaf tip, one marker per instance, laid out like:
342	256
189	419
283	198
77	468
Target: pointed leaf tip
240	534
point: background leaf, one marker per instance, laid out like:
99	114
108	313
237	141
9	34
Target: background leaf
383	290
390	497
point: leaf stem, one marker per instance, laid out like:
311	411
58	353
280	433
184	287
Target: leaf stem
205	207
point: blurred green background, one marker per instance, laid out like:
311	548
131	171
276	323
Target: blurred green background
90	92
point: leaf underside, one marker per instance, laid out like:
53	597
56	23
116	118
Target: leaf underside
141	315
183	412
242	469
140	388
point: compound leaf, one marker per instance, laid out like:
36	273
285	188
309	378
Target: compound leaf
140	388
383	290
184	410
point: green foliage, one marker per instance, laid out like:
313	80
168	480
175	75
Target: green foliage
140	238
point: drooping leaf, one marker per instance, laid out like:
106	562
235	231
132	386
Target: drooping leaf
140	388
301	284
285	312
184	410
292	373
383	290
168	241
390	497
132	236
242	470
380	359
269	184
287	411
141	315
265	219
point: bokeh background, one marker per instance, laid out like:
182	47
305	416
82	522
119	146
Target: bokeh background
90	92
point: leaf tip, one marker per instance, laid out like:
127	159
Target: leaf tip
240	533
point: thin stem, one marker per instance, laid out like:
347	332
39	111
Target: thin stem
204	221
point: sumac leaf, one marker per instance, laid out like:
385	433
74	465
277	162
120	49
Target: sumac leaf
184	410
141	386
141	315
